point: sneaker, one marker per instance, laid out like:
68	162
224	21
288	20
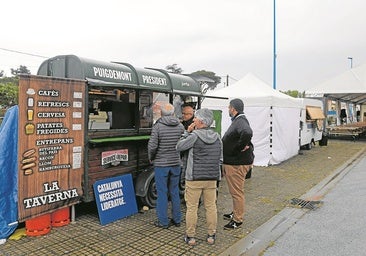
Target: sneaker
211	239
189	240
233	225
173	223
228	216
159	225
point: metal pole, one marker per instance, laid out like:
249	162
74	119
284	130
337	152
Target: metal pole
73	214
227	80
274	44
351	59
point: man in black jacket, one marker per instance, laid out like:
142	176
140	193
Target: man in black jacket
238	159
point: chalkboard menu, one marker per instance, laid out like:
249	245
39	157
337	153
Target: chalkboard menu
51	144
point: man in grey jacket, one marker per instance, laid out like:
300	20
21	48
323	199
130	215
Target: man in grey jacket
202	173
166	159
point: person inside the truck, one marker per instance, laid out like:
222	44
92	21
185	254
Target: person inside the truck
187	115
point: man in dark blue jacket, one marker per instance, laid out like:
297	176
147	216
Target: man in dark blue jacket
238	159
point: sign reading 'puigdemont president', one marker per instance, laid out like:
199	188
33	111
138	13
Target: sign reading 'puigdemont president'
115	198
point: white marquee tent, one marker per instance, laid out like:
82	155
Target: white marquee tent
347	86
273	116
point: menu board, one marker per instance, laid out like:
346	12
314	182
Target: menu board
51	143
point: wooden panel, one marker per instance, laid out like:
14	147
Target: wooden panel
99	169
51	144
315	113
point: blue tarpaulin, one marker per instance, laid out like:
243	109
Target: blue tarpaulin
9	173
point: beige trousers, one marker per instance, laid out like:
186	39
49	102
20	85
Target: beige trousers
193	191
235	177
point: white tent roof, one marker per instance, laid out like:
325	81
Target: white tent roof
348	86
255	93
273	116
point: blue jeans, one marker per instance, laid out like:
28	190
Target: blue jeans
167	183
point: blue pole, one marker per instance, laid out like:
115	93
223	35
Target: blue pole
274	44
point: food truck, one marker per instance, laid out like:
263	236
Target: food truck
83	120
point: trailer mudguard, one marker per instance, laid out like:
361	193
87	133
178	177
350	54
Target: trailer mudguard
143	181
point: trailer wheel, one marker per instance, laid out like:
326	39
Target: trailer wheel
151	195
182	185
308	146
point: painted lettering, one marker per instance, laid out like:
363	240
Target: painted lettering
54	167
154	80
50	148
110	195
110	186
49	93
51	187
53	104
51	115
112	203
54	141
52	131
49	125
113	74
50	198
45	158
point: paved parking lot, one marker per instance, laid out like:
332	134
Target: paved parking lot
268	191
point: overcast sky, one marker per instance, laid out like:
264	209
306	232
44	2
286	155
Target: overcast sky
229	37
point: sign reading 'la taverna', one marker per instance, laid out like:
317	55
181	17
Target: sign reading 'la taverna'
51	144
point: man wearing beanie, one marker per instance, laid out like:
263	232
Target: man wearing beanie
238	159
202	173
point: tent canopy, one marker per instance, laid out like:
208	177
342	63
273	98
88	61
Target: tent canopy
273	116
255	93
347	86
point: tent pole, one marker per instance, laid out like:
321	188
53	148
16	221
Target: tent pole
274	44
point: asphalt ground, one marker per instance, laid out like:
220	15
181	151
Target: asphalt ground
337	226
268	192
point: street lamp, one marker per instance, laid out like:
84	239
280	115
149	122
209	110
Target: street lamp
351	59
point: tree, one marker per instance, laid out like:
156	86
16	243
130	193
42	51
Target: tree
8	94
9	79
20	70
294	93
174	69
208	79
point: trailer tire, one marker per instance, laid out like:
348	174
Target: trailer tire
151	195
308	146
182	185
